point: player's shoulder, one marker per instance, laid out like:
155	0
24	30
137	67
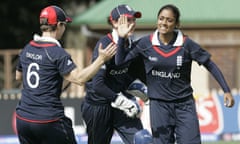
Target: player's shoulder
189	42
143	42
183	37
52	50
146	38
106	39
57	52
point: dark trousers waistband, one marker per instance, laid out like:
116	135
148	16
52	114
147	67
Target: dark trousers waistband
174	101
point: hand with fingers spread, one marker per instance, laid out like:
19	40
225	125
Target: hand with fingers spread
228	100
108	52
124	27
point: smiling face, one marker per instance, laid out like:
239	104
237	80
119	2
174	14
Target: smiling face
166	22
168	19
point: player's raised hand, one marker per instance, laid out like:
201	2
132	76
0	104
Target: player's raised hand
228	100
108	52
123	26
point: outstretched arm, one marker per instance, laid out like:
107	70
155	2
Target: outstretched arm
80	76
217	74
123	30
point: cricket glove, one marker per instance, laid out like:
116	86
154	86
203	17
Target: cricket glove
130	107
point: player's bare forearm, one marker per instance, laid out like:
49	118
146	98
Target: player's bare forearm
87	73
81	76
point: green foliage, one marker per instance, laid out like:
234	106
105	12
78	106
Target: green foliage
20	19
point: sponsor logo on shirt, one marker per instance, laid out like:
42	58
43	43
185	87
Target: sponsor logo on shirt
69	62
118	72
151	58
163	74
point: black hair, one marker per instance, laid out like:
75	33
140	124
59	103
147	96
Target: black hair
109	20
174	9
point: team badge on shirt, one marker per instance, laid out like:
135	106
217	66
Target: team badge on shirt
179	61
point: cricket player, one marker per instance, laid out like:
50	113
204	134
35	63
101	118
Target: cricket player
107	106
168	54
43	64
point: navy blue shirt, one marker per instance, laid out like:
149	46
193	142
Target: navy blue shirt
168	67
43	65
112	79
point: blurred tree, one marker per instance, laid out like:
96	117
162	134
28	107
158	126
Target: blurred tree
19	19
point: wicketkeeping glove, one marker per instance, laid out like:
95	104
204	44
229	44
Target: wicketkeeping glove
130	107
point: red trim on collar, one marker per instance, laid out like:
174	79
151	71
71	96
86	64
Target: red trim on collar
166	54
110	36
43	45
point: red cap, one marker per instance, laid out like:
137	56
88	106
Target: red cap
54	14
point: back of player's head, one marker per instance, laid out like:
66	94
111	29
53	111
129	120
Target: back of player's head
143	137
123	10
51	15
